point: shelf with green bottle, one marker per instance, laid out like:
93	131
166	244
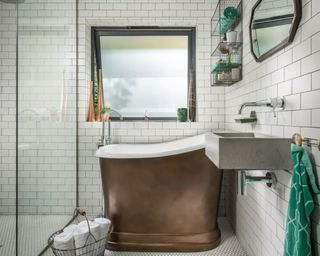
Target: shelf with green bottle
225	78
226	43
225	72
225	82
226	17
225	48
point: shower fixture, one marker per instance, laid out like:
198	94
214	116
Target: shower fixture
107	140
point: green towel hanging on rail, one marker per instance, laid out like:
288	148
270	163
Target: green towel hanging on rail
297	240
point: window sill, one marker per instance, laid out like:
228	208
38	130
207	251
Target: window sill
133	119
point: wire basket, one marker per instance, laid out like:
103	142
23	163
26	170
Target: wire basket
92	247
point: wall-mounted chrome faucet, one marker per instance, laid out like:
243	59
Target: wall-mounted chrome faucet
274	103
107	140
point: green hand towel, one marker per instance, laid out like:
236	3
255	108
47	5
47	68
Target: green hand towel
297	241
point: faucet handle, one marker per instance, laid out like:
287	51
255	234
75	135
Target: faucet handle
276	103
100	143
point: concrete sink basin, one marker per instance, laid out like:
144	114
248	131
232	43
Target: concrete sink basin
248	151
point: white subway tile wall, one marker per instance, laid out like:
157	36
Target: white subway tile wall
35	176
47	123
294	72
7	107
259	218
210	101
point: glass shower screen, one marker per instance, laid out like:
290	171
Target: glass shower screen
46	120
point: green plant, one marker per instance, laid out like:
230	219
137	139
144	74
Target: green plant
95	95
95	87
105	110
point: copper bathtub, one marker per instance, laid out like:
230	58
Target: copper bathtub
161	197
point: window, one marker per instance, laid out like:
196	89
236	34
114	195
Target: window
147	72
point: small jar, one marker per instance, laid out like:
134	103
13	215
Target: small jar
235	74
235	56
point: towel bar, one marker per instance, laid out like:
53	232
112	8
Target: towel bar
311	142
297	139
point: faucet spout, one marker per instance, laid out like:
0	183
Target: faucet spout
271	103
107	140
115	112
253	104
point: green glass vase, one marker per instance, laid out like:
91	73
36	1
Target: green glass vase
182	114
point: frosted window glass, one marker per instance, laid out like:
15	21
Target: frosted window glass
145	74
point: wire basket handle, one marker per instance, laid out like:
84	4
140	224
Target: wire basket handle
90	234
77	211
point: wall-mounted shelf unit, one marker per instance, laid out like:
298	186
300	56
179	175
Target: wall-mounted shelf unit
226	43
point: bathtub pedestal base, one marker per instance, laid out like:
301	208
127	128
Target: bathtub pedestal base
162	204
164	242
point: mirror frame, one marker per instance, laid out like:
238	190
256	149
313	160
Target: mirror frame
287	40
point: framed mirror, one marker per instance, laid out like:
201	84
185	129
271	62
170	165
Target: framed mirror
273	26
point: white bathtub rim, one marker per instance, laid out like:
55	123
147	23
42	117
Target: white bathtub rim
129	151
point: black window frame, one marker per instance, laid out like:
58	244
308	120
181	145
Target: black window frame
97	32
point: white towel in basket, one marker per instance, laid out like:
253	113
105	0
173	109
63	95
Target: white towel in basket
71	228
64	241
82	237
104	225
